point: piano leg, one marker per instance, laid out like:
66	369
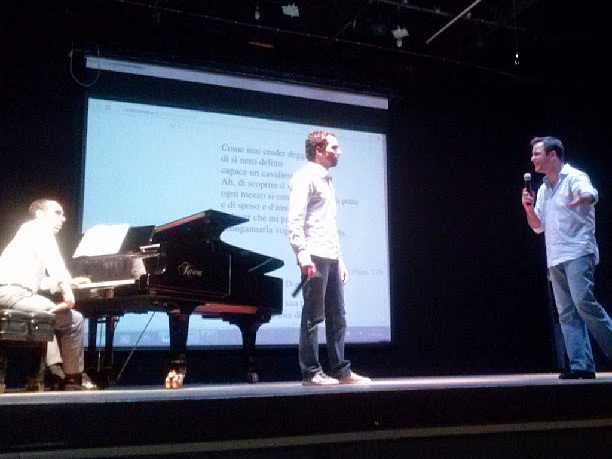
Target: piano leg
178	328
248	327
92	363
101	369
109	356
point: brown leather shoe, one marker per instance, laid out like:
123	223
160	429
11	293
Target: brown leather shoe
34	385
73	381
55	377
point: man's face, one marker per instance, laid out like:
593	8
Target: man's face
328	156
52	215
541	161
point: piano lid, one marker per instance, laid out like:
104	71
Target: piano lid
208	224
136	238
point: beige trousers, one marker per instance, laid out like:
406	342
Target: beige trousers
67	345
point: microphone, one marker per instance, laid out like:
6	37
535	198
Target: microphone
527	178
300	286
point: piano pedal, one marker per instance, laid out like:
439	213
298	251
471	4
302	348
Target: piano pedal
174	380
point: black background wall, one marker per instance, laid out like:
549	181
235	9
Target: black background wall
468	276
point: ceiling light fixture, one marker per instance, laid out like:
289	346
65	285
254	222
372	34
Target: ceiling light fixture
291	10
399	34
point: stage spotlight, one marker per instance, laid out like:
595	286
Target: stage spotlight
399	34
291	10
257	13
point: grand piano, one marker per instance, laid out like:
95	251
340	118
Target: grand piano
181	268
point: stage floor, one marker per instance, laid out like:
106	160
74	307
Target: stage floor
291	388
519	415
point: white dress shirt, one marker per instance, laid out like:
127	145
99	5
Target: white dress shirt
569	233
311	222
33	260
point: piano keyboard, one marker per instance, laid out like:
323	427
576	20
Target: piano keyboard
105	284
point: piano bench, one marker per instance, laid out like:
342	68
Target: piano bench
28	329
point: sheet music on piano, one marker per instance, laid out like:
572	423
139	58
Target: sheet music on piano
111	253
112	257
102	240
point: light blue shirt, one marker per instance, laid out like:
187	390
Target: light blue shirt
569	233
311	222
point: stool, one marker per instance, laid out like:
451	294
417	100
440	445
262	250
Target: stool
25	328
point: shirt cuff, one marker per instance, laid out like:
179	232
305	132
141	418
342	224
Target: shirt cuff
592	194
304	259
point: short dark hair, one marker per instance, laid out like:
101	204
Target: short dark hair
550	144
316	139
39	204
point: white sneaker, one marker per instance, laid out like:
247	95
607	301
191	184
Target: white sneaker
87	383
320	379
354	378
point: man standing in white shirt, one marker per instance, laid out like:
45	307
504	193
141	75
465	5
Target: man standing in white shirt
32	262
313	235
565	211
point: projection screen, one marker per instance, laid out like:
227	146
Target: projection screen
148	163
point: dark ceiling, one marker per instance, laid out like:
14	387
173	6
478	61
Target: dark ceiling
333	41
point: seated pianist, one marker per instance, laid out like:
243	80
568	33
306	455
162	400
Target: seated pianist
32	262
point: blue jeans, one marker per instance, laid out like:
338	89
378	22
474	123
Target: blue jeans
323	300
572	283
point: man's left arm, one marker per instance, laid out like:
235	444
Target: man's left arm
59	277
583	192
299	196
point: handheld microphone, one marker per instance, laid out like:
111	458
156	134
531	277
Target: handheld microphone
527	178
300	286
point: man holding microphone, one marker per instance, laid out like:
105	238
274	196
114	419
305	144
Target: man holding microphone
313	235
564	211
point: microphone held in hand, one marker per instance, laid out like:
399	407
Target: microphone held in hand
527	178
300	285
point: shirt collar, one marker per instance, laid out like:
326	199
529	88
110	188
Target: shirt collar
41	225
562	173
319	170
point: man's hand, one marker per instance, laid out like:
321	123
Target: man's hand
67	295
60	307
309	271
527	198
343	272
584	199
